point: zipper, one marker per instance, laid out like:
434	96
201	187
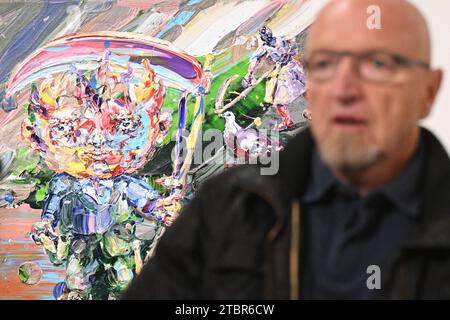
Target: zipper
294	252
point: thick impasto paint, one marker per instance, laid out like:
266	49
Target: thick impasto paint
104	110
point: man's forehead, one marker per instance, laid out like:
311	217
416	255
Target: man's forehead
359	25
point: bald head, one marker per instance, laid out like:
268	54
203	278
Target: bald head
344	23
365	103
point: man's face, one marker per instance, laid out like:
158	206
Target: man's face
358	123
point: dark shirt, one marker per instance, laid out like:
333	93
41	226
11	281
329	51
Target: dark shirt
344	233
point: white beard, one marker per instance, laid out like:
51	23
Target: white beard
349	154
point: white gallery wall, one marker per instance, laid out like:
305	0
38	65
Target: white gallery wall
436	12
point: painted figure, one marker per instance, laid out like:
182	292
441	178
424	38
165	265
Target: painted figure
95	128
247	143
287	79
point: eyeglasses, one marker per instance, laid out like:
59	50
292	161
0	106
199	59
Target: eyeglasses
374	66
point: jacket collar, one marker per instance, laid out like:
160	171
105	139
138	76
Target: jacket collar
435	216
295	163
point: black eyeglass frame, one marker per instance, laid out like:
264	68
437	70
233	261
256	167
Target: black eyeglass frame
400	60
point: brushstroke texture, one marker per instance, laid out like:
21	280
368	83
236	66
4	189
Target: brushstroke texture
226	30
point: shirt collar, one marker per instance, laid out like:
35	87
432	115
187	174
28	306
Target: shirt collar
321	182
403	192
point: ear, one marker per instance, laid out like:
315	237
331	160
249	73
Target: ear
28	130
434	80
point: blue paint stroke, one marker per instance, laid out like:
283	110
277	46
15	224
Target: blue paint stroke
29	38
179	20
192	2
57	49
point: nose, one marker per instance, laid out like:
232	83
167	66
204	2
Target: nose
346	85
96	139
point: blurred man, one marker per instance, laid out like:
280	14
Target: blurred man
373	188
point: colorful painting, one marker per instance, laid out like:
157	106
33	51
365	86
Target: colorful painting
114	112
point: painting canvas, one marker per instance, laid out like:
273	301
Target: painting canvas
114	112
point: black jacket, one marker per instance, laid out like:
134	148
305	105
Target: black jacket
240	237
